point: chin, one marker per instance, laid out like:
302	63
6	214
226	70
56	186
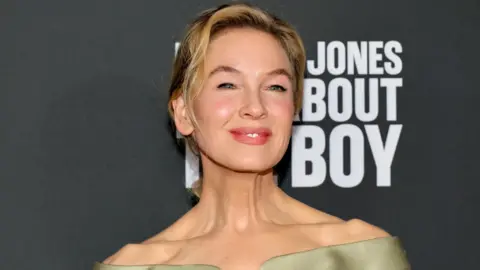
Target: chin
240	160
254	164
250	168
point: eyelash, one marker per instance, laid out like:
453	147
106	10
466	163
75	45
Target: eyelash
223	85
282	89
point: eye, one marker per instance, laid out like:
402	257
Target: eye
226	86
277	87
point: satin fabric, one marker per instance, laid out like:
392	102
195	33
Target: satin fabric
377	254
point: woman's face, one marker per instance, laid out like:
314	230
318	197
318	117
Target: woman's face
245	108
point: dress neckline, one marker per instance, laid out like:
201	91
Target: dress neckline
268	261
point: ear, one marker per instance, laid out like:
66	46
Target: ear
182	120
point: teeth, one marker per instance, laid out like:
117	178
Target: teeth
252	135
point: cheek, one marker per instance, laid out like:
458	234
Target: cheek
282	109
282	114
222	108
217	111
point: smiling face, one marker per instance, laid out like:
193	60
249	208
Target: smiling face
245	109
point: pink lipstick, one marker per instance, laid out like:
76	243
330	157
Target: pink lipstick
251	136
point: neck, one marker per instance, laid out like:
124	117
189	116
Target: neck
238	201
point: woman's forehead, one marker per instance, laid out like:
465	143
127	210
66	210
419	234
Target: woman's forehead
246	49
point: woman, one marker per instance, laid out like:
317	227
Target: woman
236	86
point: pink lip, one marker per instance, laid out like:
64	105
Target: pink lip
241	135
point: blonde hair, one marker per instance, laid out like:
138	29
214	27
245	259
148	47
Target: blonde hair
187	72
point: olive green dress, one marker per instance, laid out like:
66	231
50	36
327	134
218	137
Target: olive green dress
378	254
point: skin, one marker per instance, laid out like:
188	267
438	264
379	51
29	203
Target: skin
243	218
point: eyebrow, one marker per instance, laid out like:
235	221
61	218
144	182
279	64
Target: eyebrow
229	69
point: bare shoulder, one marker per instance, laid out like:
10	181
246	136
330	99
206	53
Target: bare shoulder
127	255
361	230
326	229
143	253
157	249
344	232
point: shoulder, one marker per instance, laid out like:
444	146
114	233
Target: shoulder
143	253
124	256
344	232
326	229
359	230
158	249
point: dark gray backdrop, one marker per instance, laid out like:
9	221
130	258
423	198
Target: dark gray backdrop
87	163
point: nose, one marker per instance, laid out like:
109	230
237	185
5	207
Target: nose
253	106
